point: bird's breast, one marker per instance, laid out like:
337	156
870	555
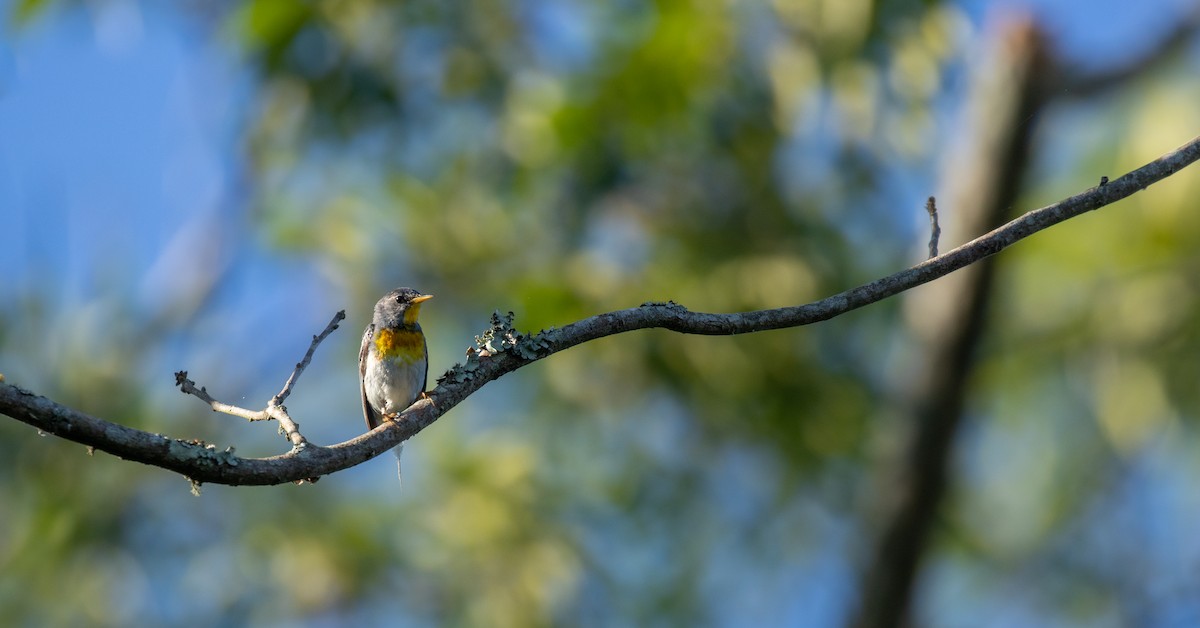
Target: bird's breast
404	346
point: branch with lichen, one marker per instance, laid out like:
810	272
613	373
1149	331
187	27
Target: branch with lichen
502	349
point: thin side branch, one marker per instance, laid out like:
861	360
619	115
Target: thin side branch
935	230
275	408
291	381
204	464
188	387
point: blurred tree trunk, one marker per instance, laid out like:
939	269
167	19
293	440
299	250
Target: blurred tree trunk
947	318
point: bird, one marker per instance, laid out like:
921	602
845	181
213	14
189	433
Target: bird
393	362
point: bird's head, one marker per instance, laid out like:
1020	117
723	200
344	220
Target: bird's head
399	308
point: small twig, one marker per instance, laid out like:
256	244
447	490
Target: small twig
275	408
291	381
188	387
935	231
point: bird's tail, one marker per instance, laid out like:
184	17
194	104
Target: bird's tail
399	472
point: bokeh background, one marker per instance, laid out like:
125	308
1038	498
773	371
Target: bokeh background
200	186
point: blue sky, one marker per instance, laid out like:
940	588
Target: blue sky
114	137
121	175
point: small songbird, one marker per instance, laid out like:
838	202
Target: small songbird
393	362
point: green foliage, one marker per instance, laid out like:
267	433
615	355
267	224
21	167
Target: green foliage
23	11
556	160
270	26
657	162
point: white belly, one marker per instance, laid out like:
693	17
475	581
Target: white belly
392	387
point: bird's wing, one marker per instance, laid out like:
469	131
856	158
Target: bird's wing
369	413
425	375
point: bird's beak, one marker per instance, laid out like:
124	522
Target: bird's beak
414	308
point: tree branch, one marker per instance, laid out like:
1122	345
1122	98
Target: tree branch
275	408
508	350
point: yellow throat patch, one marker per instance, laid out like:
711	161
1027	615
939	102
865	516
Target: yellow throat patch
401	345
